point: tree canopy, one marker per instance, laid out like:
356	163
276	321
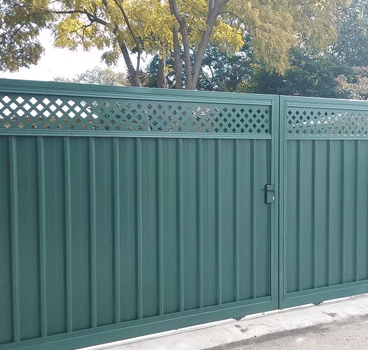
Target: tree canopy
338	71
219	71
351	46
311	74
99	76
20	25
169	27
184	29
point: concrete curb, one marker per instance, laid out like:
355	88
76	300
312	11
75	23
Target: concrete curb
227	332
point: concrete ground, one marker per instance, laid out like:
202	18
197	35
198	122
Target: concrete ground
337	324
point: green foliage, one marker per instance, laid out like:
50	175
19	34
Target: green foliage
166	27
354	86
311	74
99	76
351	46
152	69
20	25
220	72
277	26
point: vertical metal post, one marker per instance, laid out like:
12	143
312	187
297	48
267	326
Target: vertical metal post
93	218
139	227
180	172
356	214
343	214
328	206
42	228
15	237
219	217
117	226
68	232
253	218
314	213
237	219
200	208
160	221
299	215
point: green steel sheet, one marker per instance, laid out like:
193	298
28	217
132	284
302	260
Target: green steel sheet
110	234
323	226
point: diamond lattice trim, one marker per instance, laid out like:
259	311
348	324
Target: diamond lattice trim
69	113
306	121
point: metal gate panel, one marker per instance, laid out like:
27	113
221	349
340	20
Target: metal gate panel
324	226
127	212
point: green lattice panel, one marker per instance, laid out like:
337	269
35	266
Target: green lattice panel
326	122
27	112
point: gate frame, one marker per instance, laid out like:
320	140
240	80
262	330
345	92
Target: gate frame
319	294
104	334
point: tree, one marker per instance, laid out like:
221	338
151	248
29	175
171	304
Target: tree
273	26
351	46
354	86
311	74
20	25
99	76
219	71
165	27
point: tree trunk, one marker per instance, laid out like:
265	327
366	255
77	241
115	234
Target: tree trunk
184	34
161	73
213	14
192	73
133	74
177	60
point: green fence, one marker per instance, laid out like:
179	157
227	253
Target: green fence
324	201
130	211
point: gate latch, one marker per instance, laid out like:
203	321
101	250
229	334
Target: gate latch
270	194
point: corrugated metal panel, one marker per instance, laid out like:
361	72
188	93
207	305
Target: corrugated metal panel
114	236
325	230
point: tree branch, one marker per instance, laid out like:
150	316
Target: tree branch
92	17
211	20
117	2
133	73
185	38
177	59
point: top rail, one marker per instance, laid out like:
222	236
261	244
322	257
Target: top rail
31	107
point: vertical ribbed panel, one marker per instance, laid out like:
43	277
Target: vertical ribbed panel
68	235
324	225
80	190
125	212
55	195
7	234
15	282
93	230
117	230
28	254
42	233
361	217
326	220
130	229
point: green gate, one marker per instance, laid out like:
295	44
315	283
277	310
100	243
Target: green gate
130	211
324	199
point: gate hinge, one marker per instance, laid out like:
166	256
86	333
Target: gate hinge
270	193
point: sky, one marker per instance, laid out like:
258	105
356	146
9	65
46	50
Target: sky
57	62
